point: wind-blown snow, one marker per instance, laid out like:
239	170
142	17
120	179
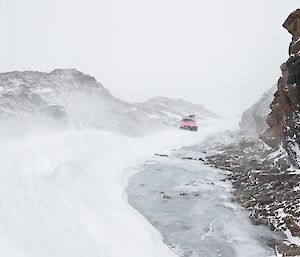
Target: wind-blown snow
63	194
64	152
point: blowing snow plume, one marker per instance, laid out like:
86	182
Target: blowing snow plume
62	167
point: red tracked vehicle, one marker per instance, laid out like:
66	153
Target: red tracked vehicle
189	123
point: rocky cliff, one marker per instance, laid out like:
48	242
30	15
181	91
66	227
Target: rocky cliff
284	119
264	181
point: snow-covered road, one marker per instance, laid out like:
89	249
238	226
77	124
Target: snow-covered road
190	204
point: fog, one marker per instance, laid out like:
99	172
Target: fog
222	54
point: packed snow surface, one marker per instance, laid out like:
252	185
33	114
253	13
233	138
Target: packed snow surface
62	194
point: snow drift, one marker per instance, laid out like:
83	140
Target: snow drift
63	195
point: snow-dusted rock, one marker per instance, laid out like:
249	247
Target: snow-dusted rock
284	121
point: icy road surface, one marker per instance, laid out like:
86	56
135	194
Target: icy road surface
190	204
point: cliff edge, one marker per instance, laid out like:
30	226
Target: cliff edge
284	119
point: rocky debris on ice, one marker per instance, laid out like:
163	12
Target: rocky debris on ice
164	196
161	155
264	184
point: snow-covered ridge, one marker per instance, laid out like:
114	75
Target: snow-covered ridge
69	98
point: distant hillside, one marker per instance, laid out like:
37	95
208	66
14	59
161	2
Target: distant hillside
172	110
67	97
254	119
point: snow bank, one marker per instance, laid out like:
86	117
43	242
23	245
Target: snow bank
63	195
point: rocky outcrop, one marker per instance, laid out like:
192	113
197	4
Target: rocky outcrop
283	121
292	24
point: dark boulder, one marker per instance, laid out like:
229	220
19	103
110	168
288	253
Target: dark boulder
264	199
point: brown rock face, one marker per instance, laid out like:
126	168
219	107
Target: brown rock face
284	119
292	24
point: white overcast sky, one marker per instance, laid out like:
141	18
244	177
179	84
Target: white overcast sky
221	53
